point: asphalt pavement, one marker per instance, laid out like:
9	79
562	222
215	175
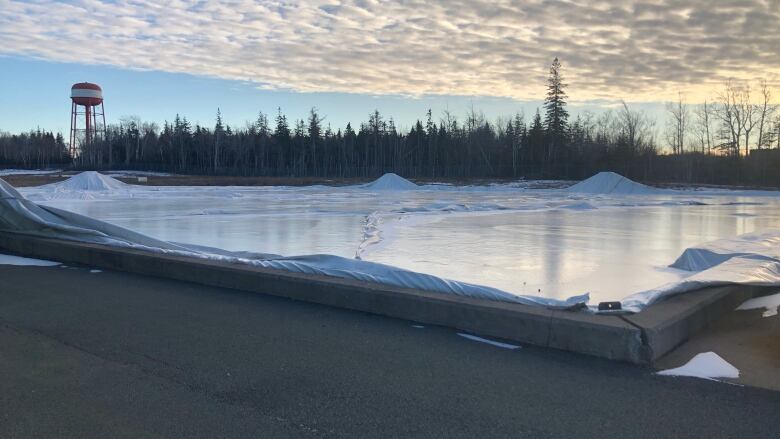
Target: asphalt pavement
118	355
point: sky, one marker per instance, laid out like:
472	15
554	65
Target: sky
349	57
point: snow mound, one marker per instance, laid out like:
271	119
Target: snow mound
391	182
91	181
611	183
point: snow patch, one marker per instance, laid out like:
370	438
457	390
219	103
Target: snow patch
391	182
771	304
707	365
613	184
490	342
20	261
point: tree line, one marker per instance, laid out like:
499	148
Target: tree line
733	139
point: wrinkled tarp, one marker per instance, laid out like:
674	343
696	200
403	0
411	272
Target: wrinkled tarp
749	259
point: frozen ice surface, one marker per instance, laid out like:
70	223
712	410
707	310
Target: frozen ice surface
553	243
707	365
17	260
20	215
770	304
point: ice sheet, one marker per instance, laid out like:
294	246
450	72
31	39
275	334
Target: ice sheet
23	216
555	243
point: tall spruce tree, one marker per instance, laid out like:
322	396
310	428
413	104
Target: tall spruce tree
556	116
219	133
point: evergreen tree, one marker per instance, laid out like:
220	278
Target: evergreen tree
536	139
556	116
219	133
315	136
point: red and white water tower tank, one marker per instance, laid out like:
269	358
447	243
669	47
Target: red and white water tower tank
86	106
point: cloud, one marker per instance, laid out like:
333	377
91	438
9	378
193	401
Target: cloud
642	50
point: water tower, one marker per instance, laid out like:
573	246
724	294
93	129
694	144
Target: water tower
87	106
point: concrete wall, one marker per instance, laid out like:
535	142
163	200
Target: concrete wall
639	339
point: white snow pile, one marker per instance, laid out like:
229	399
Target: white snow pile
91	181
707	365
749	259
390	182
770	304
84	186
20	215
612	183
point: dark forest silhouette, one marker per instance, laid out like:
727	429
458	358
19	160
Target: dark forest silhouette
730	141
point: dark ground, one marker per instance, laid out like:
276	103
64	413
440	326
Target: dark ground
119	355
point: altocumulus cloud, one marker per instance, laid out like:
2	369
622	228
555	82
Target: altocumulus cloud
640	50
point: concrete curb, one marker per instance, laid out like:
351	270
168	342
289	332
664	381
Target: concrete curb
669	323
641	338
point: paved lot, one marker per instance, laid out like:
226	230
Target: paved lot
112	354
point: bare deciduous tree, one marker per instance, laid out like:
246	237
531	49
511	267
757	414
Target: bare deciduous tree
677	124
703	126
728	110
765	112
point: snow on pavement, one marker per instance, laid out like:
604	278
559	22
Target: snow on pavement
707	365
490	342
